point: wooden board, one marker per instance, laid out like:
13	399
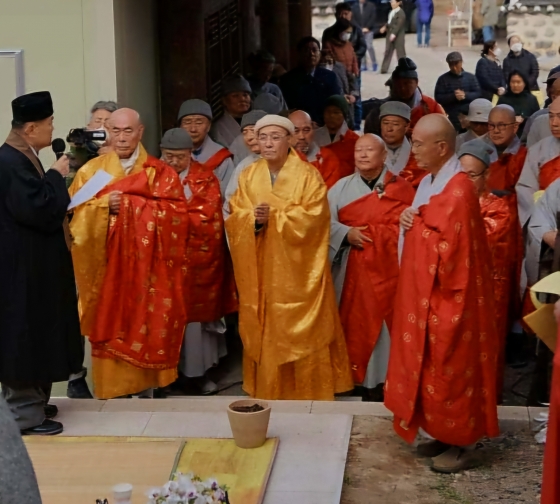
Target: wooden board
74	470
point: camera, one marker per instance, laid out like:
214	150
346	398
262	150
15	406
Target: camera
80	137
84	145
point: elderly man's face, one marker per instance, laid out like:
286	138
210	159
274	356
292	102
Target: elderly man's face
369	156
250	139
426	148
304	133
237	103
197	126
456	67
40	132
126	132
502	127
334	118
178	159
554	118
274	143
404	89
476	170
393	129
99	119
310	54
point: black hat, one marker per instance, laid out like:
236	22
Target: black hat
406	69
454	57
32	107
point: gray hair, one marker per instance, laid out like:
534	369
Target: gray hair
109	106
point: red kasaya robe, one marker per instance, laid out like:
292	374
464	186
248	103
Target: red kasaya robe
372	273
140	317
426	106
328	165
412	172
343	149
549	172
210	282
496	215
442	368
550	493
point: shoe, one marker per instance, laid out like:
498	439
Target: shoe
51	410
47	428
205	385
374	395
78	389
431	448
363	69
454	460
375	67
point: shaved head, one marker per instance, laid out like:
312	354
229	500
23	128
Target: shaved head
370	154
502	126
433	142
554	89
554	117
126	130
304	132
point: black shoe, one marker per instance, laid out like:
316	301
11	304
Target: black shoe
47	428
78	389
51	411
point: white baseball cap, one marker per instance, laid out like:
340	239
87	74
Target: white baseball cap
479	110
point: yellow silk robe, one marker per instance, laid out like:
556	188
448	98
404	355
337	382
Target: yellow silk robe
293	341
88	228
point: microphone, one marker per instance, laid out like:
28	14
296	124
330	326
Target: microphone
58	146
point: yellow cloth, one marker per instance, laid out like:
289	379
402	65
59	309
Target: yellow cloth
293	341
88	230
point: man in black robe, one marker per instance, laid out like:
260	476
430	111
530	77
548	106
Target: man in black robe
40	340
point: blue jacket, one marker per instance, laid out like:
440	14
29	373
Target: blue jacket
425	10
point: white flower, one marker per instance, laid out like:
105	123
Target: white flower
154	493
200	500
537	8
550	8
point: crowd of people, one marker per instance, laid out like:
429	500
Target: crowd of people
389	263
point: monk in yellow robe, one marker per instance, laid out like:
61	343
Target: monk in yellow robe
128	249
278	233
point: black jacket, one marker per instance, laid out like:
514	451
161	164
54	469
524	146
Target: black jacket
40	338
445	93
525	105
490	77
525	63
357	40
367	19
309	93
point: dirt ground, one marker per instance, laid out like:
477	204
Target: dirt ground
381	469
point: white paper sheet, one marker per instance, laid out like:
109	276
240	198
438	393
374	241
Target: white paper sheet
91	188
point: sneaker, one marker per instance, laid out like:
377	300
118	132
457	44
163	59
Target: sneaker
78	389
375	66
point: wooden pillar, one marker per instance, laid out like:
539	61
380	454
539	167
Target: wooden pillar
275	29
300	24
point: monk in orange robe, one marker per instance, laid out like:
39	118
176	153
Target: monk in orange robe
395	120
365	211
128	247
442	368
496	214
322	158
278	235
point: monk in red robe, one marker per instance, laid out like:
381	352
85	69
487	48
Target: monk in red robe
550	493
365	210
442	369
322	158
496	214
395	119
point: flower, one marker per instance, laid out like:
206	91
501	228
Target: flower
188	489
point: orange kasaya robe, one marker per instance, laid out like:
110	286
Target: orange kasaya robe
210	283
442	368
550	493
496	215
412	173
288	319
426	106
129	273
549	172
372	273
328	165
343	149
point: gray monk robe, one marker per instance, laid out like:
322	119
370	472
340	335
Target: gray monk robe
528	184
239	149
397	158
234	180
543	220
205	152
226	129
380	213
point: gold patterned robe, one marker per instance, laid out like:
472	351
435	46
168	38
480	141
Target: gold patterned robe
288	319
88	228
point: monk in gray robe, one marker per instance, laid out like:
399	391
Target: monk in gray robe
542	166
365	210
237	102
537	126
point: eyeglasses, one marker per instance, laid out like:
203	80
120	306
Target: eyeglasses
499	126
272	138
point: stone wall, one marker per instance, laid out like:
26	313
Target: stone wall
539	31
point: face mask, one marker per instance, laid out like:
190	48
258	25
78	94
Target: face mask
516	48
497	52
345	37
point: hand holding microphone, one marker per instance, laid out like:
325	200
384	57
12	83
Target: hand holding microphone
62	164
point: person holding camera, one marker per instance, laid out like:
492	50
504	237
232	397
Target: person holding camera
40	340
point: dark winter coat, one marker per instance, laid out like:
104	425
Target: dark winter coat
490	77
525	105
40	338
367	18
445	93
526	63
